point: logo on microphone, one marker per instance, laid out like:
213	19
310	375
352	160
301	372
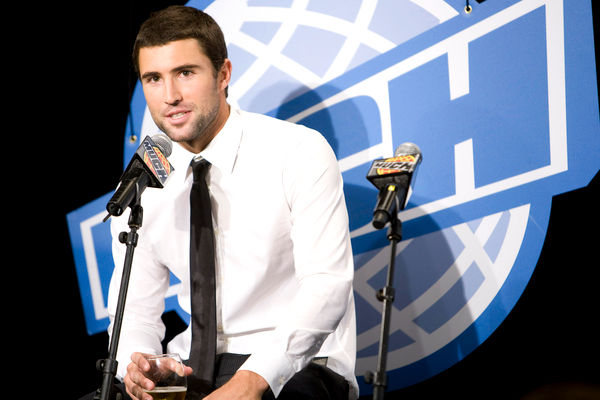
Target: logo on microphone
157	162
395	165
487	98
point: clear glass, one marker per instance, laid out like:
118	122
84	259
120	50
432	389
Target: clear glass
166	371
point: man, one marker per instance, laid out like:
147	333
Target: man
285	309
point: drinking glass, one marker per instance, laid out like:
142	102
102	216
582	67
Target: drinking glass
166	371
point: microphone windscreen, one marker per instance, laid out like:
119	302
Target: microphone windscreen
163	143
407	148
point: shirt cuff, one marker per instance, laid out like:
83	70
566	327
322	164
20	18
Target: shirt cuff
277	371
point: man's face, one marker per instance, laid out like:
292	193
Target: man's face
185	96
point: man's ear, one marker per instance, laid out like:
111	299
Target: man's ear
224	76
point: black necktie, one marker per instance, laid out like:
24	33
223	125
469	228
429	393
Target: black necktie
202	283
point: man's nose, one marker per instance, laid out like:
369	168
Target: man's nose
172	94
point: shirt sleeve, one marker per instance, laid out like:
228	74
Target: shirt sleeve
322	258
142	327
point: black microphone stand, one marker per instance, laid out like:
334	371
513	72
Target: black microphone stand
108	366
386	296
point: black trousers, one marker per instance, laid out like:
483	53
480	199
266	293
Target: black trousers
315	381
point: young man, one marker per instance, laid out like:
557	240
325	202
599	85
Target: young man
283	262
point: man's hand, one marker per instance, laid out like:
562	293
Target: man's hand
136	380
244	385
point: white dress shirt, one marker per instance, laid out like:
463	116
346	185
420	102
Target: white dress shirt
284	265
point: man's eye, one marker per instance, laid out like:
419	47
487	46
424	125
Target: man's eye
152	79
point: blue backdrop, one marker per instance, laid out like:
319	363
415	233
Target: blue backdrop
502	102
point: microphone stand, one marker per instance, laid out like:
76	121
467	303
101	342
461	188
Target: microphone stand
386	296
109	366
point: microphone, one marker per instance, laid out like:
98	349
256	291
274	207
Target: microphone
392	176
148	167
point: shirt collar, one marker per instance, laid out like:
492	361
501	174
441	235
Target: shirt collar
221	152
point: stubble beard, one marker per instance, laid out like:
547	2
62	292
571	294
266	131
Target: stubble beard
198	130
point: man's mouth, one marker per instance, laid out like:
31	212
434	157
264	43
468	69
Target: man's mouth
178	115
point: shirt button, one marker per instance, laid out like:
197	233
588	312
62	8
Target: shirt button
281	380
220	327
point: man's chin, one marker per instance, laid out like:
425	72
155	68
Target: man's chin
177	137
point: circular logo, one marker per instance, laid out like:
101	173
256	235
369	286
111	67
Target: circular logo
372	75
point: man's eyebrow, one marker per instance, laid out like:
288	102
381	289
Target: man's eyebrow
185	67
150	74
179	68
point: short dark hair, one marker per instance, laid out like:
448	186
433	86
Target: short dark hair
178	23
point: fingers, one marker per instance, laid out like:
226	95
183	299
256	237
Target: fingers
140	360
135	380
177	366
168	365
135	391
143	373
